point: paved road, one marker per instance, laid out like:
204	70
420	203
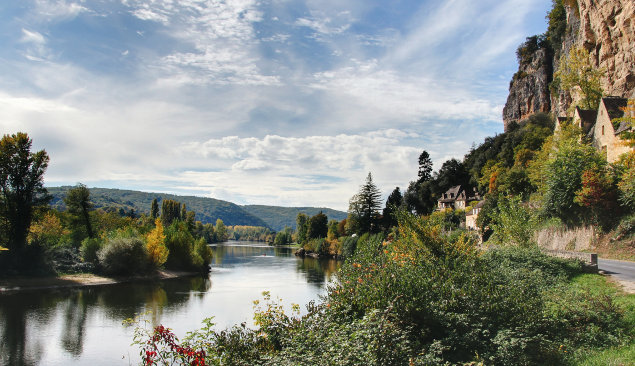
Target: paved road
622	270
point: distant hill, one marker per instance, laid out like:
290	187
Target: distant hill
207	209
278	217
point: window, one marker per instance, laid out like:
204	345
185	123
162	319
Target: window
605	151
603	131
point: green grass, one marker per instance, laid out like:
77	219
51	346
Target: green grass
615	356
623	354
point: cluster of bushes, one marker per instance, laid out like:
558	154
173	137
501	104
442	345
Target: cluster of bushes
126	251
251	233
427	298
82	239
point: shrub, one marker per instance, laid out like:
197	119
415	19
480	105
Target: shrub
123	256
89	249
422	300
348	246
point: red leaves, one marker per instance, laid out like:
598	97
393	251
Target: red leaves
174	351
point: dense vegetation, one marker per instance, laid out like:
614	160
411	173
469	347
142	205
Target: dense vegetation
422	298
41	239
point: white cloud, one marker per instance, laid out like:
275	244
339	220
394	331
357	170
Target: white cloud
221	35
58	10
32	37
321	25
382	94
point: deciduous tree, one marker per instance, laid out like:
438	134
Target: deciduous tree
577	75
22	185
155	244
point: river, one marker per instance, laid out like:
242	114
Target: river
83	326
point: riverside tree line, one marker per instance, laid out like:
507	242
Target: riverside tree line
36	239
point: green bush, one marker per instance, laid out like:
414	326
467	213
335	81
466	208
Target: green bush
425	300
349	244
123	256
89	249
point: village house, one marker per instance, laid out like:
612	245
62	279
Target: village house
601	127
456	198
606	130
472	215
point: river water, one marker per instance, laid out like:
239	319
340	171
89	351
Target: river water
83	326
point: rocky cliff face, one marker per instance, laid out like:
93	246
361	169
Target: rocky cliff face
604	28
529	88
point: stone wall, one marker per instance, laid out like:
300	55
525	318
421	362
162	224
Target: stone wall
578	239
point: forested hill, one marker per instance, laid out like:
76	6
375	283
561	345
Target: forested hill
278	217
207	209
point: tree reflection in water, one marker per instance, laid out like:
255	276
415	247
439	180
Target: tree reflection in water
82	326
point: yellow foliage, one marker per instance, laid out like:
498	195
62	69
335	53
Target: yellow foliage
155	243
48	230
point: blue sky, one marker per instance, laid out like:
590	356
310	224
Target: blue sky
275	102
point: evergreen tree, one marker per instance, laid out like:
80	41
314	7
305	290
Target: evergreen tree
364	208
78	204
154	209
394	201
301	227
425	167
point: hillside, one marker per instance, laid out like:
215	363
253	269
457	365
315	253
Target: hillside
207	209
278	217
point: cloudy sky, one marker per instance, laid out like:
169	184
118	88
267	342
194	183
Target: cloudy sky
276	102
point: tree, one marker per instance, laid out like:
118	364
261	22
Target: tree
221	231
284	237
170	211
627	136
78	204
22	184
301	227
363	212
598	194
394	201
318	226
562	176
452	173
577	75
155	244
425	167
154	209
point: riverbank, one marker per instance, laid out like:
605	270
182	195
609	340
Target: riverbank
13	284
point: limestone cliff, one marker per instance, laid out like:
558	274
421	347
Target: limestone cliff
529	88
606	29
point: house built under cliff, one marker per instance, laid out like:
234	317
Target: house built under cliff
602	126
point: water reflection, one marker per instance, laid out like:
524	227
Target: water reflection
82	326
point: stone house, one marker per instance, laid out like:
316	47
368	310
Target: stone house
600	127
456	198
472	215
606	131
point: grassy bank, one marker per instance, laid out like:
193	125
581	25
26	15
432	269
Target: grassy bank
623	354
